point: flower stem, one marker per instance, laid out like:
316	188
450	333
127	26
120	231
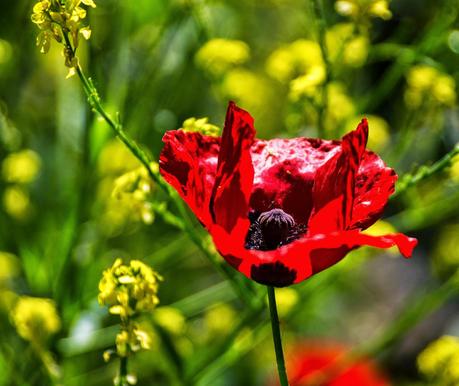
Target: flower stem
425	172
277	337
123	371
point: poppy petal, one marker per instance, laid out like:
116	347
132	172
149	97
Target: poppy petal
374	184
188	162
334	182
230	197
297	261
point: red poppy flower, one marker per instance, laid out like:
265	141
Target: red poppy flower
281	210
324	363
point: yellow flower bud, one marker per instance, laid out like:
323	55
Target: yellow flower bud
217	56
35	318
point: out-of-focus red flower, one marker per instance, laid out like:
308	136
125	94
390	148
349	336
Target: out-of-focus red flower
281	210
326	364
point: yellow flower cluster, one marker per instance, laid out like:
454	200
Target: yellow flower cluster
363	9
132	339
129	289
128	187
218	56
35	318
346	47
300	58
251	90
201	125
133	190
18	170
21	167
426	83
62	21
439	362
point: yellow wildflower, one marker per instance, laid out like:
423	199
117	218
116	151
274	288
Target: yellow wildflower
16	202
426	83
129	289
340	105
294	60
35	318
171	319
219	319
287	298
201	125
250	90
62	21
440	359
22	167
132	339
218	56
134	189
363	9
345	48
9	266
306	85
115	159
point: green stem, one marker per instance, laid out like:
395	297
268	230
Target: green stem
425	172
95	103
123	371
277	337
322	29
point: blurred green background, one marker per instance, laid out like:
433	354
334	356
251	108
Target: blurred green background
159	63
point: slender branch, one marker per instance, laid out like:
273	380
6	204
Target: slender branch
425	172
277	337
95	103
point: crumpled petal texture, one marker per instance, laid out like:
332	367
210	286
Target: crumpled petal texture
335	188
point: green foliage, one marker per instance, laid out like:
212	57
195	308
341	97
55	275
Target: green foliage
74	198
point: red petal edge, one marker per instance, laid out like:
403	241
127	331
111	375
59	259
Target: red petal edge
230	197
334	183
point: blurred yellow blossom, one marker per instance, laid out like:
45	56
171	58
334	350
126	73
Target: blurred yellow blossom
345	48
63	22
171	319
16	202
9	266
294	60
220	319
287	298
201	125
35	318
218	56
129	289
21	167
340	105
439	362
133	190
426	83
445	257
306	85
379	133
363	9
248	89
382	227
116	159
6	51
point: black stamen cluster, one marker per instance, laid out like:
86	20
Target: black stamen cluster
272	229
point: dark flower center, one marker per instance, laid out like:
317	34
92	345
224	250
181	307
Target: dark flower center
272	229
